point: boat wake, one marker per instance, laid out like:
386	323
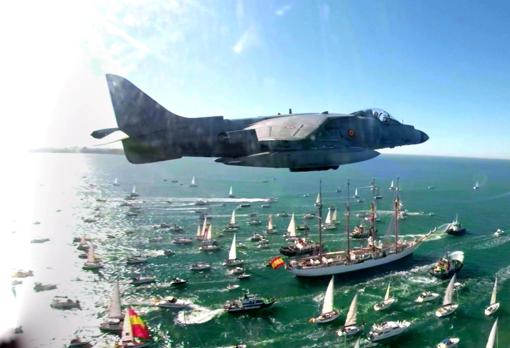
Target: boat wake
197	315
492	243
503	274
219	200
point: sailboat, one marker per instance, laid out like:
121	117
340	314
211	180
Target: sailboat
392	186
448	306
318	200
329	313
356	193
494	305
133	330
291	229
133	193
477	186
231	192
492	336
328	223
193	183
334	219
199	233
388	300
113	323
209	244
270	228
350	328
115	182
232	260
232	226
92	263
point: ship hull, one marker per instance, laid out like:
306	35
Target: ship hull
353	267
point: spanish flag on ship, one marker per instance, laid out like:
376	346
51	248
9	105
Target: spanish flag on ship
276	262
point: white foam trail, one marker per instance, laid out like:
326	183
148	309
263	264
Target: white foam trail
197	315
503	274
422	280
219	199
492	243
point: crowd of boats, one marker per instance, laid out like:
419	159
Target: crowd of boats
306	258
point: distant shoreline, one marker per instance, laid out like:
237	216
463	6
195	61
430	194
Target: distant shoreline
76	149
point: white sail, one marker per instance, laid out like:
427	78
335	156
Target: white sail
232	254
353	312
356	345
333	216
133	190
209	232
230	192
91	257
448	295
291	230
116	181
127	332
193	181
392	185
199	231
318	199
327	305
204	226
233	217
114	311
270	222
387	295
328	217
494	291
356	192
492	335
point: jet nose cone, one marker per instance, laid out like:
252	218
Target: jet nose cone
423	137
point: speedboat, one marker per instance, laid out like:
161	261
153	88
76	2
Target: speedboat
64	302
44	287
455	227
449	342
168	252
284	214
172	302
232	287
176	229
209	245
448	265
254	222
182	241
243	276
142	280
236	271
256	237
426	296
309	216
136	260
200	266
78	343
247	303
387	329
499	232
23	274
178	282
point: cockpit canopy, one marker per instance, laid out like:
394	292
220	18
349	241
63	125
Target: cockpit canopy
380	114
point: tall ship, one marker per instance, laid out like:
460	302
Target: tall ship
375	253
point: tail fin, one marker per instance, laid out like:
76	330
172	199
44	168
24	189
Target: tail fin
147	124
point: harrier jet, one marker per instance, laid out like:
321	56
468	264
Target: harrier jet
300	142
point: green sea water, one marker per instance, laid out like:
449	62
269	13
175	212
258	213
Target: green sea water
72	183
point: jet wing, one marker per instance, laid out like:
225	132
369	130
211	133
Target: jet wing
292	127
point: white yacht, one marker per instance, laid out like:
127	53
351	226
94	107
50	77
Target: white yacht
449	342
426	296
92	263
328	313
448	306
494	304
350	327
232	225
386	302
477	186
172	302
499	232
113	323
387	329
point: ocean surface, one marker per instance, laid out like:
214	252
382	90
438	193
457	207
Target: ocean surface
65	192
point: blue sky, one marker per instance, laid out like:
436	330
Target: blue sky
442	66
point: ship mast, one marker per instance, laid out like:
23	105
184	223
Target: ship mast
319	217
397	207
347	222
372	222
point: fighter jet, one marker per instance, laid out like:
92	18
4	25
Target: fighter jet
299	142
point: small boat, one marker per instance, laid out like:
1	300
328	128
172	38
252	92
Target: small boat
182	241
133	193
231	193
283	214
426	296
243	276
256	237
193	182
23	274
232	260
39	240
78	343
113	323
430	187
494	304
392	186
458	286
201	203
291	229
236	271
356	196
136	260
231	287
309	216
64	302
176	229
174	181
303	227
232	226
306	195
300	246
178	282
92	264
449	342
318	200
448	306
168	252
477	186
244	205
388	301
265	206
247	303
448	265
115	182
455	227
209	244
200	266
387	329
270	228
44	287
328	313
130	337
360	232
350	327
254	222
499	232
142	280
263	244
171	302
491	341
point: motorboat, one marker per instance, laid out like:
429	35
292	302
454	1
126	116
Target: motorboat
300	246
182	241
499	232
231	287
178	282
328	313
64	302
256	237
200	267
247	303
142	280
44	287
168	252
387	329
174	228
455	227
426	296
136	260
236	271
449	342
388	300
78	343
23	274
448	265
254	222
171	302
243	276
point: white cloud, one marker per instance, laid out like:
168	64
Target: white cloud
283	10
248	39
